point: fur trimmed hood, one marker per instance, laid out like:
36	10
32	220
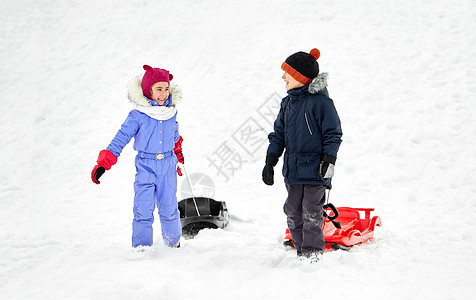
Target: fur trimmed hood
318	84
137	97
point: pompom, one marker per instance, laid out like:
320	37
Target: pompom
171	76
146	67
315	53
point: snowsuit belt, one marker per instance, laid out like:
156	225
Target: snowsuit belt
155	156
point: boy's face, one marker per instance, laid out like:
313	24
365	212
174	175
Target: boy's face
291	83
160	92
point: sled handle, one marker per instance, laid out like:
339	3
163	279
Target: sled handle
336	214
334	210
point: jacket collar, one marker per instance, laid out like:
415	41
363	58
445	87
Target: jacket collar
137	97
155	103
317	86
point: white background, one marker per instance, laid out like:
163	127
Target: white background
402	77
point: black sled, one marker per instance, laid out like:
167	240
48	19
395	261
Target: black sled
198	213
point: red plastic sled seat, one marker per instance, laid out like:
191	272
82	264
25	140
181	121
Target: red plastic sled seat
353	229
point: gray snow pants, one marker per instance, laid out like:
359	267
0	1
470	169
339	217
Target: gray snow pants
304	209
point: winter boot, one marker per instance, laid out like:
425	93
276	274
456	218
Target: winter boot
176	245
311	258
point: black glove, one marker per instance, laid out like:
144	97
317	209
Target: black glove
326	168
268	172
97	173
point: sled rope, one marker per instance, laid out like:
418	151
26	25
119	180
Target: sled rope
191	190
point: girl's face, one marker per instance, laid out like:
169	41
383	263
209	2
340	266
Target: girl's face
291	83
160	92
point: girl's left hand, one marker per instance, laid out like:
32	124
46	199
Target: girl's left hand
179	171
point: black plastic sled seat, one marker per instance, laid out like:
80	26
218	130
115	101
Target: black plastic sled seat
213	215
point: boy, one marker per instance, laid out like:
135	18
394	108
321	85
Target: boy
308	128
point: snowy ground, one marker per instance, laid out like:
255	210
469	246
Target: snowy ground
402	76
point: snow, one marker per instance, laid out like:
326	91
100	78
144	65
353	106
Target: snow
401	74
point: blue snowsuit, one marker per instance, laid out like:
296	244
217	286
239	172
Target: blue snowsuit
156	178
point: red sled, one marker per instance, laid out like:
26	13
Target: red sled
344	227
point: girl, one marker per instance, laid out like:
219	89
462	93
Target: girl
158	143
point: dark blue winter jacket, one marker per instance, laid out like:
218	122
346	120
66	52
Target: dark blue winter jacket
308	128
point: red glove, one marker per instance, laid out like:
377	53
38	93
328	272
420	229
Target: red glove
178	150
105	161
179	171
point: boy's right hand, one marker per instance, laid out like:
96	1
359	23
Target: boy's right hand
268	175
268	171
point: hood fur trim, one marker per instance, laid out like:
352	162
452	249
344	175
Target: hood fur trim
318	84
137	97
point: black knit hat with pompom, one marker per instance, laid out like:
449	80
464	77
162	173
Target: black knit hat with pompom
302	66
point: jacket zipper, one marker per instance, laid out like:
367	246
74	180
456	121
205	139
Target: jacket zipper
307	122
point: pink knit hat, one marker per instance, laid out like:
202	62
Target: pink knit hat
152	76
